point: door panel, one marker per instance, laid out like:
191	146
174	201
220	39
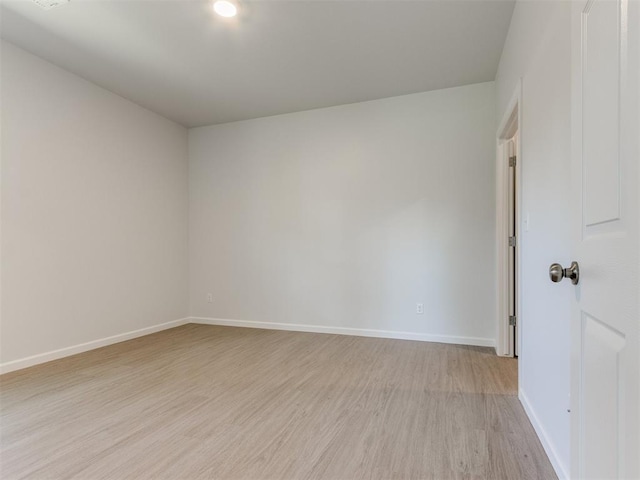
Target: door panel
601	372
600	97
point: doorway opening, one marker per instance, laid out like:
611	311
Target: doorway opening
508	181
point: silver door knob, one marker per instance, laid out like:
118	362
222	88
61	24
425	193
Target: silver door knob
557	273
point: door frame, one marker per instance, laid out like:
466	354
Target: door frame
510	123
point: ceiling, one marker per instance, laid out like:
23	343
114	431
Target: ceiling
179	59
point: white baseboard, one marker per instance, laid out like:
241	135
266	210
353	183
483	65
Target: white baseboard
547	444
83	347
359	332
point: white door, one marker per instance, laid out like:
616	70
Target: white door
605	360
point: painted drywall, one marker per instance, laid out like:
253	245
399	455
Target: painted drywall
347	217
94	212
538	51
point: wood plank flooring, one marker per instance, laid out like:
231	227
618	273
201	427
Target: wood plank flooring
233	403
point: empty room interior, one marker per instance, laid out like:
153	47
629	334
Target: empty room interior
323	239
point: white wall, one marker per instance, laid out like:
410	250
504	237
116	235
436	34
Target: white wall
538	50
94	211
346	217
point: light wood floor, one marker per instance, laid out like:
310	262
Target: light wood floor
233	403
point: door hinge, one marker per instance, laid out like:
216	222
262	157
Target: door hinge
512	161
512	241
512	320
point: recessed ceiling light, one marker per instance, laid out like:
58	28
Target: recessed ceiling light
49	4
225	8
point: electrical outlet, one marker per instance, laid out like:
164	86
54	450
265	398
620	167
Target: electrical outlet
419	308
210	297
